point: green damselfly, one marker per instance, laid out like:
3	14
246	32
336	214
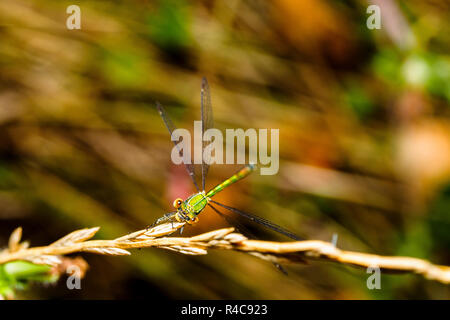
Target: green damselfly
188	210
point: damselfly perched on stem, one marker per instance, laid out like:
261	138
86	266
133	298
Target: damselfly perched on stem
188	210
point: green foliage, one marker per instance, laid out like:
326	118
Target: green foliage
17	275
169	26
359	100
428	71
439	218
386	65
124	67
416	242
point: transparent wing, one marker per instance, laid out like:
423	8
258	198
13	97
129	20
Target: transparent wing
170	126
261	221
240	228
233	222
207	123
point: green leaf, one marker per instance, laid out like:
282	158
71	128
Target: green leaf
25	270
169	26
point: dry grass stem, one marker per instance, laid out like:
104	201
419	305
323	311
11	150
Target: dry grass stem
225	239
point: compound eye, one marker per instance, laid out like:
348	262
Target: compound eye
177	203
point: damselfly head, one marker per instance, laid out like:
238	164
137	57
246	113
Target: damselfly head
177	203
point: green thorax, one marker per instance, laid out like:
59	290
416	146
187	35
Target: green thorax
193	205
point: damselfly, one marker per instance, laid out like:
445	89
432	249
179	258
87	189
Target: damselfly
188	210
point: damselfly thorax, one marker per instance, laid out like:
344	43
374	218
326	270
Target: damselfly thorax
188	209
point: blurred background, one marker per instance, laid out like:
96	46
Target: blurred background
364	136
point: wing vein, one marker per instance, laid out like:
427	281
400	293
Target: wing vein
261	221
171	127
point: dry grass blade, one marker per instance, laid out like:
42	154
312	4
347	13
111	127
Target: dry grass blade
14	240
224	239
45	259
76	236
108	251
154	232
213	235
186	250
